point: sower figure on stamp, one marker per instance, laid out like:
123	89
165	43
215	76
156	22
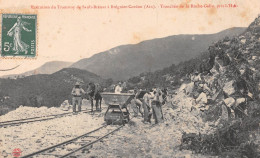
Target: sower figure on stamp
77	93
15	31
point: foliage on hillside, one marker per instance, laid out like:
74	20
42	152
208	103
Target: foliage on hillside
45	90
230	51
174	75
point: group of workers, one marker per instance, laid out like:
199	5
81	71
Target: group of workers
146	102
149	103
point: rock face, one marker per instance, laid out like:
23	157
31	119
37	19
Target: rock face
236	63
234	76
228	88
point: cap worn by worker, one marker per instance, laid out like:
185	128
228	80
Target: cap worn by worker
77	84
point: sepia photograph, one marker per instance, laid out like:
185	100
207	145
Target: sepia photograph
130	79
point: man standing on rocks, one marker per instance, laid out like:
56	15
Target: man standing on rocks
77	93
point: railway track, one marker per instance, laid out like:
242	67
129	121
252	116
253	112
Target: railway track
35	119
71	147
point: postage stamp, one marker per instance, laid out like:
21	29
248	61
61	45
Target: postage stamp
19	33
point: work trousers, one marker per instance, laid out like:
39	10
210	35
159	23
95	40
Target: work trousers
137	106
157	111
147	113
76	100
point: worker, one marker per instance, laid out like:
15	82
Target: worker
157	105
164	95
137	102
196	78
118	88
147	106
77	93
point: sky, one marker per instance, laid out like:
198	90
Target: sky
72	34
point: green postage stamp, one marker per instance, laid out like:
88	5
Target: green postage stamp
19	35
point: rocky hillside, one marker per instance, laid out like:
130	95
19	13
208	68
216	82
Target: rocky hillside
227	92
236	58
222	87
47	68
127	61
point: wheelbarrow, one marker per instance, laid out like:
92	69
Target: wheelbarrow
117	112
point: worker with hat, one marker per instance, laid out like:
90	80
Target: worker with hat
77	93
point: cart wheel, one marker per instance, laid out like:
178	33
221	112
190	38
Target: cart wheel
127	119
109	122
122	122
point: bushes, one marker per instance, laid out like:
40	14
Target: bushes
182	70
45	90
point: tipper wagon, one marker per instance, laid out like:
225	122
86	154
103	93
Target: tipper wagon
117	112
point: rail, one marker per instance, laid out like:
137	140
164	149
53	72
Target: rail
84	140
35	119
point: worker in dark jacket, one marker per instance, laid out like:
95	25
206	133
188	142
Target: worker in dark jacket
77	93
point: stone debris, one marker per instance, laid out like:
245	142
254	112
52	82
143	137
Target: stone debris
202	98
229	88
23	112
235	75
137	139
38	135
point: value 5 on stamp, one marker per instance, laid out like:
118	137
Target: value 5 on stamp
19	35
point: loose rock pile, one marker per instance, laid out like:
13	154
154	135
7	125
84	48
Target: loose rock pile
228	94
24	112
185	117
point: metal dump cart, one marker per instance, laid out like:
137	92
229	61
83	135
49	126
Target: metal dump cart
117	112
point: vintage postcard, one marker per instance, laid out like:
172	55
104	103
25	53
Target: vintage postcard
130	78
